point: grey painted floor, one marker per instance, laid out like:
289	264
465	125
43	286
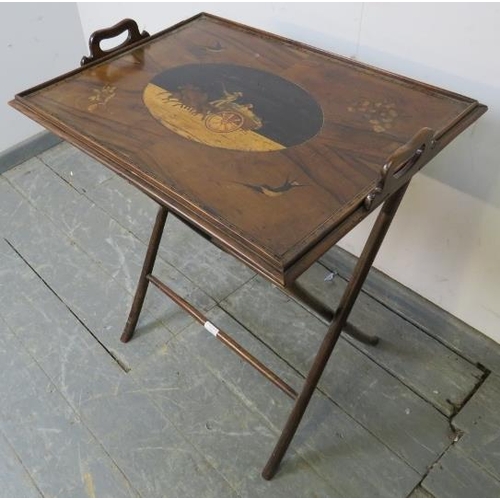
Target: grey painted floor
173	413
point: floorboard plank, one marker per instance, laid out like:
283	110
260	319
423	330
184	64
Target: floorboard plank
126	204
401	419
92	295
479	419
456	475
156	459
420	492
235	440
58	451
448	329
119	252
77	169
15	481
336	445
404	349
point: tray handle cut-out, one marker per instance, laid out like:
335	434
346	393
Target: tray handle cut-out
96	52
402	165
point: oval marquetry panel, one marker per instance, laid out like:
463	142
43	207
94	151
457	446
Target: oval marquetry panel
233	107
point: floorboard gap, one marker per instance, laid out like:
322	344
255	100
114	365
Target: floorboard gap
118	361
458	433
479	383
423	492
27	472
454	441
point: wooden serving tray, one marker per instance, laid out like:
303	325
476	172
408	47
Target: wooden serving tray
272	149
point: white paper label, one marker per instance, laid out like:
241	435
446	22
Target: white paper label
211	328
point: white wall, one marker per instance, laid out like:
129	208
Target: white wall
38	41
445	242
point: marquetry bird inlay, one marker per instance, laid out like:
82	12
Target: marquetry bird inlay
273	191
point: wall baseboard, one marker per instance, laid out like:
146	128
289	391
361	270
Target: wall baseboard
27	149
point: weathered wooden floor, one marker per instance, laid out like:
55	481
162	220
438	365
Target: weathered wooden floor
173	413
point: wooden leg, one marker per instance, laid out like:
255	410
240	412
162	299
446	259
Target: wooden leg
147	269
346	304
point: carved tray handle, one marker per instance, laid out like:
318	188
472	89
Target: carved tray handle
98	36
401	165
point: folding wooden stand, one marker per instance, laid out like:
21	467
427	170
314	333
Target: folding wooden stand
409	158
270	149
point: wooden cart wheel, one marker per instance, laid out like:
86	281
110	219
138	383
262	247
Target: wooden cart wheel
224	121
